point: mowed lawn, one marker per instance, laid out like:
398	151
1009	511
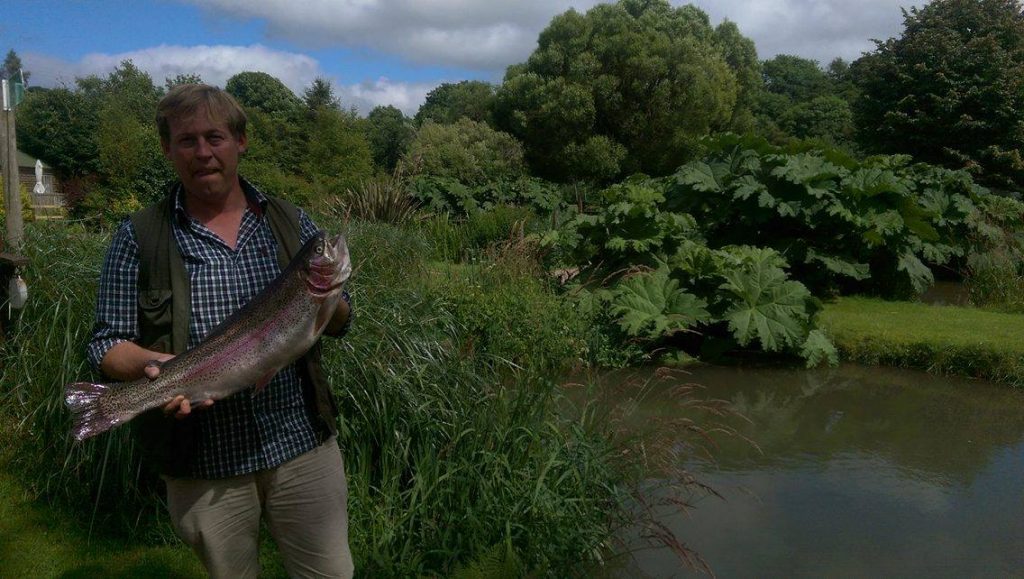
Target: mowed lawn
945	339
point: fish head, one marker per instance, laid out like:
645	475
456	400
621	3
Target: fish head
327	265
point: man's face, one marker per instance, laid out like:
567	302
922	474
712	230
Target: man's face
205	155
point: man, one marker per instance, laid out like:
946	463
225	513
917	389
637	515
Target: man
172	273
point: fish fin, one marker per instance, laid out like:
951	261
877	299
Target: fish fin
261	384
89	419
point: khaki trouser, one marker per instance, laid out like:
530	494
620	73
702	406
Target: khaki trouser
303	500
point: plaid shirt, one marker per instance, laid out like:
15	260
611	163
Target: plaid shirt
247	432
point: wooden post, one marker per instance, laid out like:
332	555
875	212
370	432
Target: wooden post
12	187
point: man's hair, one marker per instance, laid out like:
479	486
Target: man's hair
184	100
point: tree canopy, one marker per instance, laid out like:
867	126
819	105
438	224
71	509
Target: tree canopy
950	89
449	102
262	91
632	84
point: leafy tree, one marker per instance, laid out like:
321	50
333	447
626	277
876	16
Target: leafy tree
320	94
800	79
467	151
262	91
950	89
824	118
190	78
337	151
634	83
60	126
12	64
741	55
449	102
389	133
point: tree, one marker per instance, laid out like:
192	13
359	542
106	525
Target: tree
60	126
468	151
824	118
320	94
190	78
448	102
12	64
262	91
636	83
337	150
389	133
741	56
949	90
800	79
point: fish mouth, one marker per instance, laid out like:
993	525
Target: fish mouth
321	290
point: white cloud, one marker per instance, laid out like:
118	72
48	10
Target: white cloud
404	96
817	29
474	34
215	64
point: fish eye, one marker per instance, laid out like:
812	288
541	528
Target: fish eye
320	249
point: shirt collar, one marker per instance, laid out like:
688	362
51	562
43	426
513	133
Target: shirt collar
257	200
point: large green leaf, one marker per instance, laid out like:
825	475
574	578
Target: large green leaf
651	305
818	348
857	271
700	176
920	276
767	307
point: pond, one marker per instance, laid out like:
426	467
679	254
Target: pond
857	472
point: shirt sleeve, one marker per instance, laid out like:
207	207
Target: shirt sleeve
308	229
117	296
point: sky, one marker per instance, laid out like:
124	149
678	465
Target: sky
375	52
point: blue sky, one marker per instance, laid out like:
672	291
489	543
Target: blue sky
374	51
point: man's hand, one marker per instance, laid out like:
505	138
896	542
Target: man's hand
180	406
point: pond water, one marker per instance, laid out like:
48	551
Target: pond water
859	472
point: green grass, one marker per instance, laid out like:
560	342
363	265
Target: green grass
36	541
946	340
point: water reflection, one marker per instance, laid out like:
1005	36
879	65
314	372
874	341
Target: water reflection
859	472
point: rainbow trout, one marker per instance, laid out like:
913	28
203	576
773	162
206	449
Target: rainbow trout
274	329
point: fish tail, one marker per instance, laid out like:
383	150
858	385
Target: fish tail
83	399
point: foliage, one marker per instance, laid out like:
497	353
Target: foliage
826	118
389	133
449	102
262	91
59	126
12	66
797	78
651	305
180	78
633	84
383	198
949	90
320	95
837	220
467	151
336	151
27	212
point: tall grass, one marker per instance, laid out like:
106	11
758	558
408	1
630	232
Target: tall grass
453	454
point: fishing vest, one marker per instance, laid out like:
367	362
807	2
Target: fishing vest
164	309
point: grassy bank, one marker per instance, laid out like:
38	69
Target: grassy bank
946	340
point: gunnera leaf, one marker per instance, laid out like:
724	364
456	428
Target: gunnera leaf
920	276
651	305
768	307
818	348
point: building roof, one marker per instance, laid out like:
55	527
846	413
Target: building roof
26	160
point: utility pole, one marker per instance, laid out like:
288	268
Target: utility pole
9	160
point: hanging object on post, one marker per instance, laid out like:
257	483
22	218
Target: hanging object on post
17	292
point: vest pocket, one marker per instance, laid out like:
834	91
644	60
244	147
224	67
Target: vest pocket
155	317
